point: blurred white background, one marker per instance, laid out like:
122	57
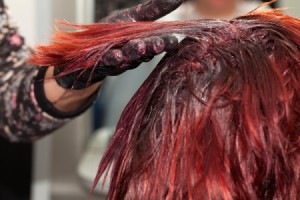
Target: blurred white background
55	157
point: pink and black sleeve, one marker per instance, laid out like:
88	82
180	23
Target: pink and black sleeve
25	113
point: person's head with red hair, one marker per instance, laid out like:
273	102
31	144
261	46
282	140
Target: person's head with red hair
220	119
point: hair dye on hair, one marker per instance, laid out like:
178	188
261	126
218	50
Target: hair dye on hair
218	120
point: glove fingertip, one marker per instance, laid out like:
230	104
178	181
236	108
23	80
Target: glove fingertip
171	43
113	57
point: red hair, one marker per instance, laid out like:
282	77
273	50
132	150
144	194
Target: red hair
218	120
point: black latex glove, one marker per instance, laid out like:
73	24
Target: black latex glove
132	54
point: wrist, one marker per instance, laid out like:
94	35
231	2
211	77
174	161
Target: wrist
59	102
66	99
77	80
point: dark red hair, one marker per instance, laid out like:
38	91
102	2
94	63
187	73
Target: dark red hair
218	120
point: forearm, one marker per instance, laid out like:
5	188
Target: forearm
21	118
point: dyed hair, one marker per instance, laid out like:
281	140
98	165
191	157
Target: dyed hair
218	120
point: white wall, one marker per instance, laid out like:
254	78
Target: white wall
33	17
293	7
55	157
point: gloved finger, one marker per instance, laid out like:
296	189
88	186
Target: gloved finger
113	57
134	50
116	61
149	11
131	65
154	45
142	50
155	9
157	45
111	63
107	70
171	43
147	58
135	64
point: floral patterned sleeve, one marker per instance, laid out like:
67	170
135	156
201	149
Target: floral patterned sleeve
25	113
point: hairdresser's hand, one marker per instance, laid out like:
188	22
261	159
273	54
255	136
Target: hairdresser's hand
132	54
117	61
149	11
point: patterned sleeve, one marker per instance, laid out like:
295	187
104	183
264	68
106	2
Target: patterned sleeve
22	118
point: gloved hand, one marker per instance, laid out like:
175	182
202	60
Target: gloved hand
132	54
